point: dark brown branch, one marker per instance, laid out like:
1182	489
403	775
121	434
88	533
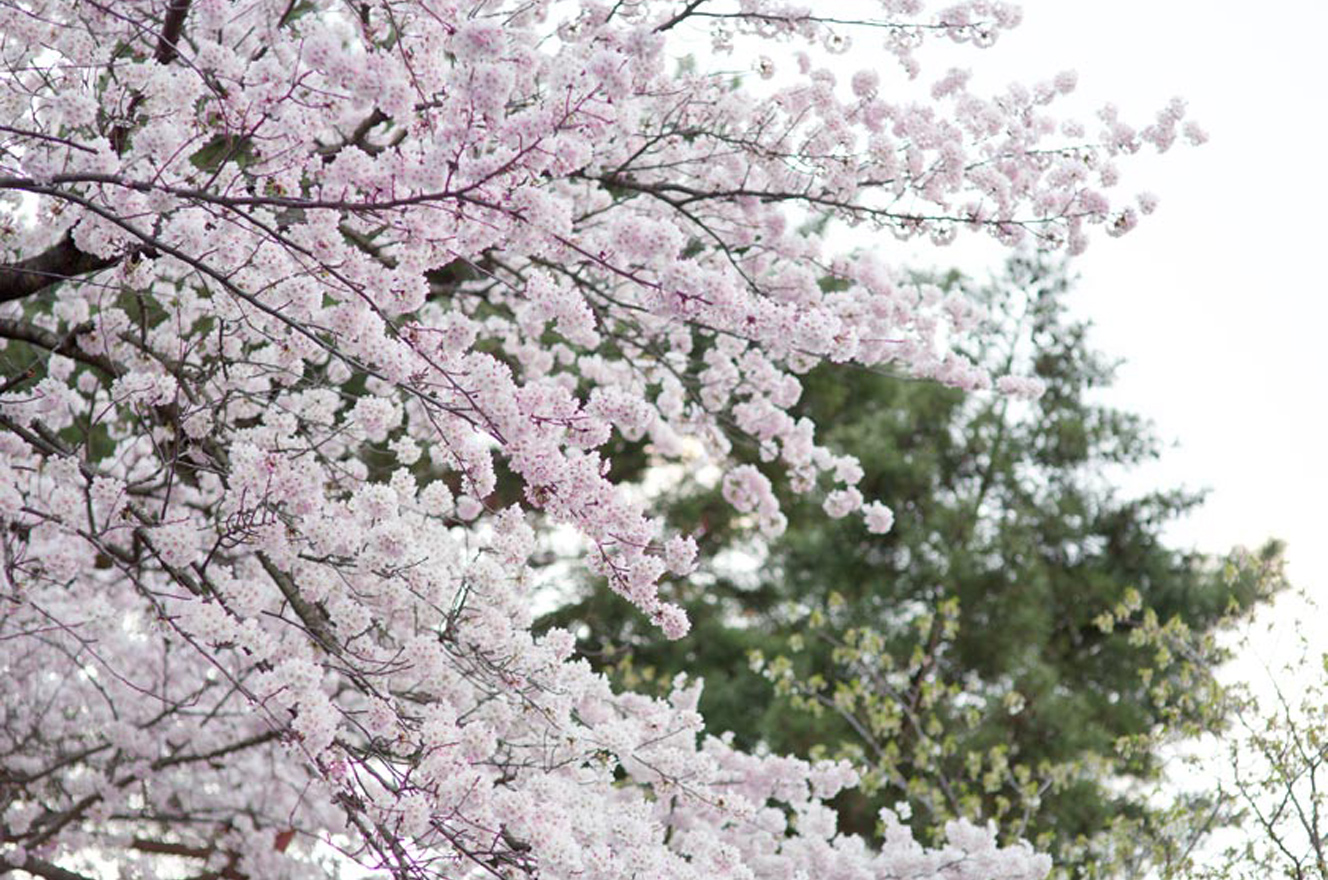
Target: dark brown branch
171	29
60	262
680	17
64	345
167	51
164	848
313	618
360	137
257	739
157	847
22	132
41	868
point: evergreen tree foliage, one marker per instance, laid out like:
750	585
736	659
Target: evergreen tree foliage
1008	650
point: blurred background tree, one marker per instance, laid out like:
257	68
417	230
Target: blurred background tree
1271	763
1021	647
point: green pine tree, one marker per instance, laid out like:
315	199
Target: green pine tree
1017	648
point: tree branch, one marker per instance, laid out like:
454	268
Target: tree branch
40	868
64	345
171	28
58	263
313	618
680	17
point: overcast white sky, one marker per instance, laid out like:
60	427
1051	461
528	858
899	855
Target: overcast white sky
1217	301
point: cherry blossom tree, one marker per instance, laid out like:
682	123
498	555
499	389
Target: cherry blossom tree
290	290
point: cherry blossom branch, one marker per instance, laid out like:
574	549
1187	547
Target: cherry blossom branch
66	345
687	12
40	868
171	29
63	261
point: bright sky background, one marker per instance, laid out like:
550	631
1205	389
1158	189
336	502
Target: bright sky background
1217	301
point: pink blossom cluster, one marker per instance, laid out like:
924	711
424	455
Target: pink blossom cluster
330	315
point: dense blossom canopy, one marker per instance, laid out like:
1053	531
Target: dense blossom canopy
290	287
